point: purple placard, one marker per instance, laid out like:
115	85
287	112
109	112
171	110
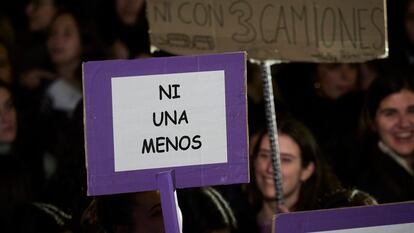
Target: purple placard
102	178
346	218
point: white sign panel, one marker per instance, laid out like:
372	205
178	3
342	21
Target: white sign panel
169	120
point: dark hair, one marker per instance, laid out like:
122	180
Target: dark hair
386	84
91	45
135	37
320	181
205	210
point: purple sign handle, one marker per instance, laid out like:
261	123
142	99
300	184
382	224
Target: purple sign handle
166	185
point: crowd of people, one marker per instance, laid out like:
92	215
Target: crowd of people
346	131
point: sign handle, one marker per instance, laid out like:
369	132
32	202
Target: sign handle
266	75
166	185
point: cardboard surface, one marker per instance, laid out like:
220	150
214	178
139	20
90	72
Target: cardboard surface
130	138
393	218
289	30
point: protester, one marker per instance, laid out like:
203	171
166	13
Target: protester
131	212
42	165
14	142
402	39
20	162
40	14
327	99
124	28
203	210
388	138
305	177
35	65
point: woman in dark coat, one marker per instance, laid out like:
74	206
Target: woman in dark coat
388	145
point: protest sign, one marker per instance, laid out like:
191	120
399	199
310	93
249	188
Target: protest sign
288	30
147	116
389	218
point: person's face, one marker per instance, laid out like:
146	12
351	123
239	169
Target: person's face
336	79
293	174
394	122
8	124
409	22
147	214
5	68
64	41
40	14
128	10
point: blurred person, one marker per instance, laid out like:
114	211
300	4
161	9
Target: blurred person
401	36
388	138
13	140
57	98
35	61
335	80
15	189
21	176
128	10
70	41
201	210
305	177
65	45
124	28
329	102
40	14
57	112
126	213
66	188
404	54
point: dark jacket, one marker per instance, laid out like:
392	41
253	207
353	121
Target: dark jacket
385	179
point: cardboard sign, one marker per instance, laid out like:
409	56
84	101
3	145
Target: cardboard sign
390	218
147	116
291	30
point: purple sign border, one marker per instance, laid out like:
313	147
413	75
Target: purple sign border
345	218
102	179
